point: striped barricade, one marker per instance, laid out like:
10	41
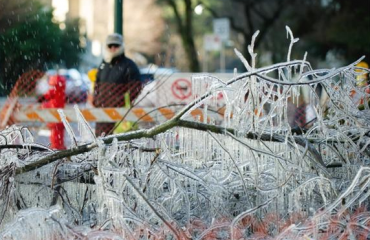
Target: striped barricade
36	114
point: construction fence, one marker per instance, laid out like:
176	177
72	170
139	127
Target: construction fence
112	102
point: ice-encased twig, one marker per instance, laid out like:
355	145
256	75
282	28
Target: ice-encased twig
68	128
83	125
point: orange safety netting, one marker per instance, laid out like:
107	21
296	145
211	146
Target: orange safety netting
30	87
24	87
113	95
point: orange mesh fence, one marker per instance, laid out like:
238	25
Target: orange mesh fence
113	95
29	89
24	87
26	84
30	86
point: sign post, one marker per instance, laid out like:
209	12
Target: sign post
221	28
211	42
118	16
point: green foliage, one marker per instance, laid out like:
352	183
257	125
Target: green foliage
70	44
340	26
348	28
202	23
36	42
190	27
337	26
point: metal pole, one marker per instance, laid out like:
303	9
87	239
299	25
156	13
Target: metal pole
222	57
205	60
118	13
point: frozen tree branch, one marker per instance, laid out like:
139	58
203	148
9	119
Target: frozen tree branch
206	177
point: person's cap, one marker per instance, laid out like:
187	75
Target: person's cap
114	38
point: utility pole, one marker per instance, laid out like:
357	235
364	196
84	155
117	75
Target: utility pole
222	57
118	19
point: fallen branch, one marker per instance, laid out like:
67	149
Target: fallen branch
150	133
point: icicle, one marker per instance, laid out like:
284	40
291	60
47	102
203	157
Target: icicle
292	41
83	126
251	50
68	128
244	61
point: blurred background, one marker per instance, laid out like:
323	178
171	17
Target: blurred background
180	35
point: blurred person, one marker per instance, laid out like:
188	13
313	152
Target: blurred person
117	75
363	79
362	82
55	98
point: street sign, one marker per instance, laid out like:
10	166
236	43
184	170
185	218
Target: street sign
212	42
221	27
181	88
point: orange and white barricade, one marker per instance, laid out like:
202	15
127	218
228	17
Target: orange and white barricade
151	115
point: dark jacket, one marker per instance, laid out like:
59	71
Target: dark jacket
114	80
120	70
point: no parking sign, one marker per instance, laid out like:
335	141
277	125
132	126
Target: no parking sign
181	88
175	88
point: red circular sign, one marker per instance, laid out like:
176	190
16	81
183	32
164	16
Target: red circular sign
181	88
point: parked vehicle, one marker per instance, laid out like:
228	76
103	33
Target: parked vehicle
77	85
152	72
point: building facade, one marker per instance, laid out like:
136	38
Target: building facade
142	26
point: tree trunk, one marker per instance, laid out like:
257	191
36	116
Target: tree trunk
185	29
191	52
